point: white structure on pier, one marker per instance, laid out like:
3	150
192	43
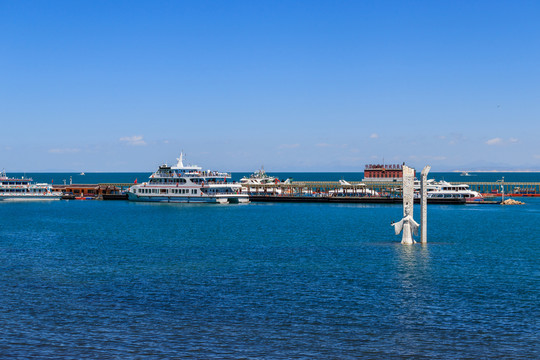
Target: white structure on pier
407	224
423	205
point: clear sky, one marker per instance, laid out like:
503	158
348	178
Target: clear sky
291	85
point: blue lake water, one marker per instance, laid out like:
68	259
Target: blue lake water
114	279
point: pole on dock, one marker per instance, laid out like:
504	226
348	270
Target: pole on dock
502	189
423	205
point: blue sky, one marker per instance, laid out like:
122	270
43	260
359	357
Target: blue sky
291	85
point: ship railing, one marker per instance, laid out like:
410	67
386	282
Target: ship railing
192	174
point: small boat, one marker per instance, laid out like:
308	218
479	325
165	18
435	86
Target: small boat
259	177
464	173
84	197
82	174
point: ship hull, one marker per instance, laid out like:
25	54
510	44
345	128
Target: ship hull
189	199
29	198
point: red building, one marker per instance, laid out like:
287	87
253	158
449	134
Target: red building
379	172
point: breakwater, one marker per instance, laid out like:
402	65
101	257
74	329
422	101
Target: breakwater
322	191
386	189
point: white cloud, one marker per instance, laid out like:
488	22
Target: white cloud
64	151
494	141
513	140
374	136
135	140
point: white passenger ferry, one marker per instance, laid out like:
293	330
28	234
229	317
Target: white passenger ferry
444	189
25	189
189	184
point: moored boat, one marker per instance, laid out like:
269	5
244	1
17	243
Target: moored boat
188	184
18	189
257	183
444	189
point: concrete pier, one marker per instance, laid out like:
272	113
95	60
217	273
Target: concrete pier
385	189
328	191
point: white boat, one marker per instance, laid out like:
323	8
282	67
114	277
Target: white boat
256	183
188	184
259	177
444	189
348	189
431	185
25	189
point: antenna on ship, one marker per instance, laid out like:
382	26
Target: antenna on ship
181	160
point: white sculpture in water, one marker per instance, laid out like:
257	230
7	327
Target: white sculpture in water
407	225
423	206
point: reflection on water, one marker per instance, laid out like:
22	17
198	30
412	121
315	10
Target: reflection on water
411	257
413	294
